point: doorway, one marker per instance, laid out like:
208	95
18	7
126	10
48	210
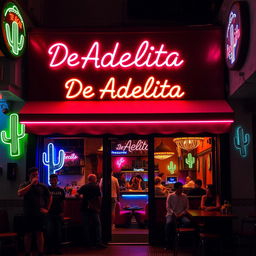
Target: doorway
129	202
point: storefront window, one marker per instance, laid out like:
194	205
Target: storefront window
182	159
72	159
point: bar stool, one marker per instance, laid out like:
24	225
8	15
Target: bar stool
183	232
66	225
205	238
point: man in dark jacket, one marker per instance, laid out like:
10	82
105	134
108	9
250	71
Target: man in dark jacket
90	209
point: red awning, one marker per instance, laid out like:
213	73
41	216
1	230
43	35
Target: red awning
125	117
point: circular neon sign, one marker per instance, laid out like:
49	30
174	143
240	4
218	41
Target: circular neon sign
13	30
237	35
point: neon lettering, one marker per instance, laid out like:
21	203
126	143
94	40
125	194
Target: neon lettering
141	145
146	55
73	156
120	161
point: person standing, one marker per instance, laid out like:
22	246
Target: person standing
115	191
55	216
176	206
37	200
90	210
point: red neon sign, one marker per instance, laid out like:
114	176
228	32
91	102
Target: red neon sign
145	56
152	89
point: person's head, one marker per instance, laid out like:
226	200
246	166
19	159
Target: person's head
188	179
178	187
211	191
198	183
122	176
158	180
53	180
92	178
33	173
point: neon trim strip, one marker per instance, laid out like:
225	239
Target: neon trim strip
129	122
135	195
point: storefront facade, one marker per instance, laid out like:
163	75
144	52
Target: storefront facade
103	101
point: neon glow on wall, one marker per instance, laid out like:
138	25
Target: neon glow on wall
241	141
52	162
14	135
190	160
13	28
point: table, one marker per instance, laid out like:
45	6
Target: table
200	214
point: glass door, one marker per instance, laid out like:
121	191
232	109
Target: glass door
129	190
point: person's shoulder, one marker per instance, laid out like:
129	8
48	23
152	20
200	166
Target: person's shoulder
184	195
43	185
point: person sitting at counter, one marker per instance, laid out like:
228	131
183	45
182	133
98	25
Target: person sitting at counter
122	181
189	183
136	183
198	190
160	190
210	201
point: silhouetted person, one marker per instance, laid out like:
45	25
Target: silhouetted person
37	200
210	201
90	210
55	216
197	191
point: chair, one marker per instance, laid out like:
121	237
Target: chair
65	227
183	232
7	239
142	216
122	218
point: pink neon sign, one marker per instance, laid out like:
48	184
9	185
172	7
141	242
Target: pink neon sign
141	145
71	157
146	55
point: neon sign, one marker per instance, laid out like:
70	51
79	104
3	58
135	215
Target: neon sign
236	28
171	167
152	89
49	159
120	162
13	29
139	146
146	56
118	152
71	157
241	141
14	135
190	160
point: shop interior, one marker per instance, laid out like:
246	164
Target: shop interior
175	158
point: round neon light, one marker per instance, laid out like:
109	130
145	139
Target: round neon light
13	30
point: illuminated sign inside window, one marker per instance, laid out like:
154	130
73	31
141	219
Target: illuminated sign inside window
53	161
140	145
237	35
14	135
13	30
241	141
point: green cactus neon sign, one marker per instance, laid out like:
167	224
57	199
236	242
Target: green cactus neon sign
241	141
190	160
13	30
171	167
14	135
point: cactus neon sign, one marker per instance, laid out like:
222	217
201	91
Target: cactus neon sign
13	30
241	141
49	159
190	160
14	135
171	167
